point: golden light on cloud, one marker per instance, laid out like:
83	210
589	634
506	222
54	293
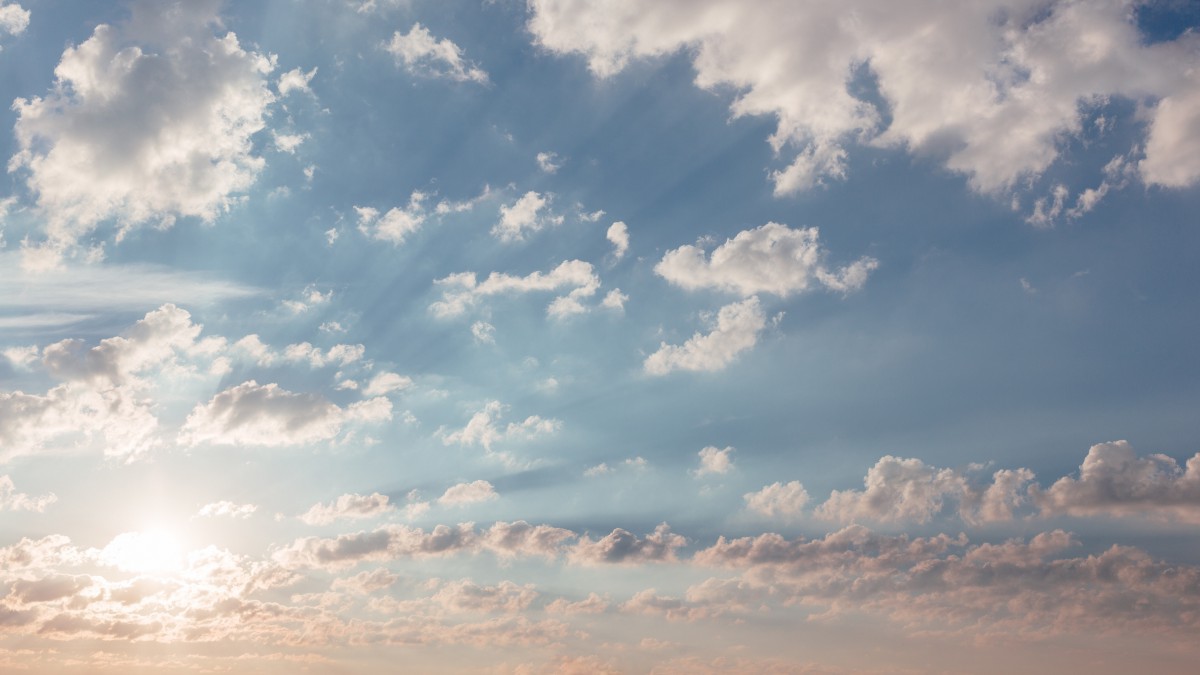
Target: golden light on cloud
147	552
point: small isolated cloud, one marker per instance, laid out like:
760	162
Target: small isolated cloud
618	234
603	468
769	259
485	428
147	121
227	509
463	290
288	142
1114	481
386	383
549	162
422	54
614	300
468	493
785	500
530	213
714	461
397	224
1173	145
348	507
14	19
11	500
295	80
736	330
484	332
338	355
267	415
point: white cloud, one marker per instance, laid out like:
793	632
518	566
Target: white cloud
463	290
614	300
147	121
11	500
530	213
422	54
267	415
1114	481
339	354
484	332
227	509
468	493
618	234
997	112
386	383
288	142
623	547
785	500
549	162
1173	145
484	428
736	330
348	507
397	224
295	80
714	461
14	18
768	259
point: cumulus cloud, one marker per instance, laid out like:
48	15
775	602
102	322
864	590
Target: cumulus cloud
267	415
1114	481
1021	75
549	162
11	500
386	383
422	54
463	290
147	121
348	507
736	330
14	18
485	428
623	547
398	223
484	332
714	461
530	213
768	259
785	500
618	234
1172	148
295	80
468	493
227	509
614	300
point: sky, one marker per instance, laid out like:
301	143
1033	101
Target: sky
688	336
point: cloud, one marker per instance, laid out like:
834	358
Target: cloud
1020	80
1173	146
785	500
398	223
618	234
467	596
484	428
267	415
519	538
11	500
348	507
462	290
386	383
623	547
484	332
1114	481
424	55
339	354
227	509
295	80
768	259
736	330
615	300
549	162
530	213
14	18
288	142
147	121
714	461
468	493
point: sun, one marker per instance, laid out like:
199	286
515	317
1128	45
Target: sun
154	551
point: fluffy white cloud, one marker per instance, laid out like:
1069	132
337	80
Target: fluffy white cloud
714	461
386	383
348	507
147	121
1173	145
618	234
468	493
267	415
484	428
768	259
227	509
1022	72
484	332
295	80
463	290
339	354
14	18
398	223
736	330
1113	480
11	500
785	500
549	162
530	213
423	54
614	300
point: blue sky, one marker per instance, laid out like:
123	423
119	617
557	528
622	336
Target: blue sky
599	337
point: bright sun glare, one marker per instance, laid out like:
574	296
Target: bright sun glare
145	552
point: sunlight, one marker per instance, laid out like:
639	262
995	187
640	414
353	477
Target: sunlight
147	552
